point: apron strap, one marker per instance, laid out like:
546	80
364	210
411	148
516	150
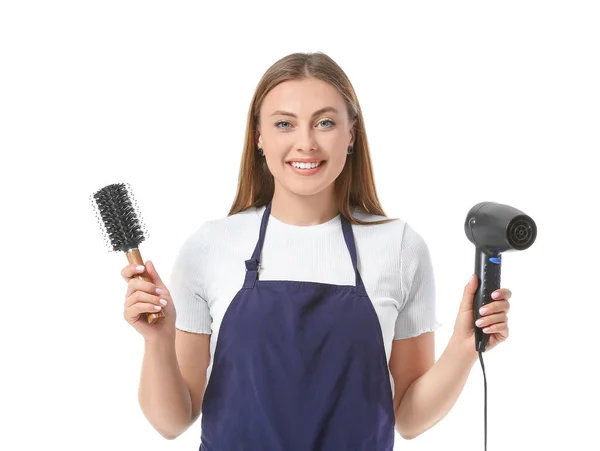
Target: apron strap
350	244
253	264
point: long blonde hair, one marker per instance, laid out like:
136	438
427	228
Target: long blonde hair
354	187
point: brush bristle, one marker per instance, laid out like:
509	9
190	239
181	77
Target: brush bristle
117	213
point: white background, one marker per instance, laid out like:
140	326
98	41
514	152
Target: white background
463	102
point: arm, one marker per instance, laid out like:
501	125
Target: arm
432	388
173	380
410	359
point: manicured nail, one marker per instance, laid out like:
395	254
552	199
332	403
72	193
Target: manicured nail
483	310
486	329
479	322
157	307
158	291
139	268
495	295
163	302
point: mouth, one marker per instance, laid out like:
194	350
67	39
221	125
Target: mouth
306	168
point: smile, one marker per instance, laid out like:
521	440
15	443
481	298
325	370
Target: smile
299	165
306	168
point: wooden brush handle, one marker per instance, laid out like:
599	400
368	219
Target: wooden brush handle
135	257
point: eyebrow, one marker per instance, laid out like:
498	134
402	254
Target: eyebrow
316	113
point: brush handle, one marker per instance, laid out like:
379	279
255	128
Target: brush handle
488	268
135	257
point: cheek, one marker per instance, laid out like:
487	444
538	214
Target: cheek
278	149
275	163
275	159
337	161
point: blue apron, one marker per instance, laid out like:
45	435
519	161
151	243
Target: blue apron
299	366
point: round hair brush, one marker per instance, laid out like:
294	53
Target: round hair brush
122	226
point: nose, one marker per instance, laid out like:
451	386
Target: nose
306	141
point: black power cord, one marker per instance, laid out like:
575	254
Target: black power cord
484	402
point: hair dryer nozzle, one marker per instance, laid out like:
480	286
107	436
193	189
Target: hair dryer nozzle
496	228
521	232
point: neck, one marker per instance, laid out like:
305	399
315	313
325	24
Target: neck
300	210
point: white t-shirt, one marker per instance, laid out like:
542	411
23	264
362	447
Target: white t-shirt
393	261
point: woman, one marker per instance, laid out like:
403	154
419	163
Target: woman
317	310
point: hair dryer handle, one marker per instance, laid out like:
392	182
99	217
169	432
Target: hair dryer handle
487	268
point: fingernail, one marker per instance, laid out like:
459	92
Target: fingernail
495	294
139	268
470	279
163	302
157	307
159	291
483	310
479	322
486	329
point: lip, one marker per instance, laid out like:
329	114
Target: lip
304	160
305	172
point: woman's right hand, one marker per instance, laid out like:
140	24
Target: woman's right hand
142	297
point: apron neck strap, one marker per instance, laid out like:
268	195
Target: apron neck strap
253	264
351	245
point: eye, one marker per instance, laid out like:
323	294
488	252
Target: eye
327	120
277	124
281	122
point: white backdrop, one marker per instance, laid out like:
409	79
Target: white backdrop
464	101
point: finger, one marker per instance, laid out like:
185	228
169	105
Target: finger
495	307
502	293
154	275
132	312
136	284
469	292
489	320
131	270
495	328
141	297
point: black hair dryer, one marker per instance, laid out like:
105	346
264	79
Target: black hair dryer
494	228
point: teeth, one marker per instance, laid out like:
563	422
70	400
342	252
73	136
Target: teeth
305	165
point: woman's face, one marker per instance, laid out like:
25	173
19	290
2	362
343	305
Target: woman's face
304	132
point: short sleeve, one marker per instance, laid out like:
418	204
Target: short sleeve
418	310
185	286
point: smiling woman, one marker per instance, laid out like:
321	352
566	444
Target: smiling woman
320	309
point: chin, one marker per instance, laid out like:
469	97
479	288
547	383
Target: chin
306	188
309	185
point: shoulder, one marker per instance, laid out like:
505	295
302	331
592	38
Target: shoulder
396	238
213	233
388	233
229	226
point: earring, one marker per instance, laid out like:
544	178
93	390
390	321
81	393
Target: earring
261	152
350	150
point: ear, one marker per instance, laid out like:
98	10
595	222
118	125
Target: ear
257	136
352	132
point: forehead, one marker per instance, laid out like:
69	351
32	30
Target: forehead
302	97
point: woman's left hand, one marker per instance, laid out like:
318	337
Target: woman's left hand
494	320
